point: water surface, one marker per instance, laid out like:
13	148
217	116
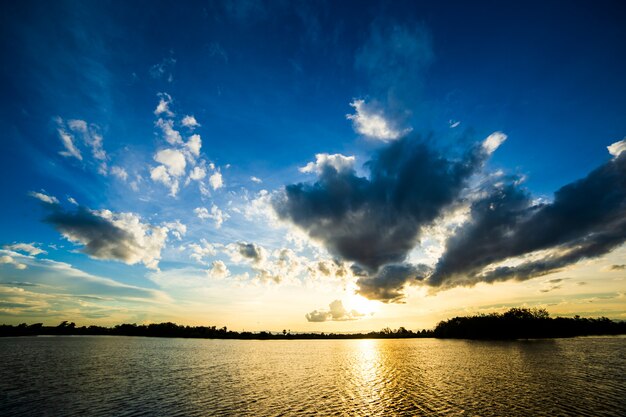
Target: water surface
101	375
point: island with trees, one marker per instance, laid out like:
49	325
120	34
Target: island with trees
516	323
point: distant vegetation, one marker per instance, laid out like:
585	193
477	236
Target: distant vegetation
197	332
517	323
523	323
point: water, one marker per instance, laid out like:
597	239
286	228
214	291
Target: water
147	376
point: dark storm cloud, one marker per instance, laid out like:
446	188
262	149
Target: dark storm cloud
587	219
107	235
387	285
618	267
375	221
102	239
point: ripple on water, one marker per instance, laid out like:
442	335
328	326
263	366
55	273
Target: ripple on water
147	376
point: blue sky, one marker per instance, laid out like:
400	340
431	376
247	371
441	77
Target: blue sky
181	162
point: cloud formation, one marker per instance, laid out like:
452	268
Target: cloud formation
114	236
617	148
336	312
372	123
587	219
375	221
388	283
28	248
48	199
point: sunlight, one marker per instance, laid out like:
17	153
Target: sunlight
362	305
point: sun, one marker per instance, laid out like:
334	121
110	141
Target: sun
362	305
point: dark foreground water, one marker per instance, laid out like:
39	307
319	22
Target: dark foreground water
147	376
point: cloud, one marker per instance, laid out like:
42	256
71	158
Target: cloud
194	144
256	179
60	278
28	248
6	259
251	251
218	270
338	162
388	283
336	312
160	174
173	166
454	123
618	267
216	181
197	173
164	105
91	137
48	199
68	142
176	228
493	142
216	214
375	221
112	236
119	172
587	219
190	122
202	250
173	160
163	69
617	148
372	124
171	135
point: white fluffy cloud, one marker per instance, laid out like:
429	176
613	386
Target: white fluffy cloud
197	173
216	181
173	160
190	122
337	161
218	270
215	214
176	228
6	259
44	197
336	312
171	135
160	174
617	148
493	142
173	166
119	172
256	179
194	144
28	248
372	124
164	105
202	250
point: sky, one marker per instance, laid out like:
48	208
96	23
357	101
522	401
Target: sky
310	165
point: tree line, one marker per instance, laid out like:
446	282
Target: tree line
516	323
524	323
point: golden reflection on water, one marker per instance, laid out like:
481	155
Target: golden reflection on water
418	377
